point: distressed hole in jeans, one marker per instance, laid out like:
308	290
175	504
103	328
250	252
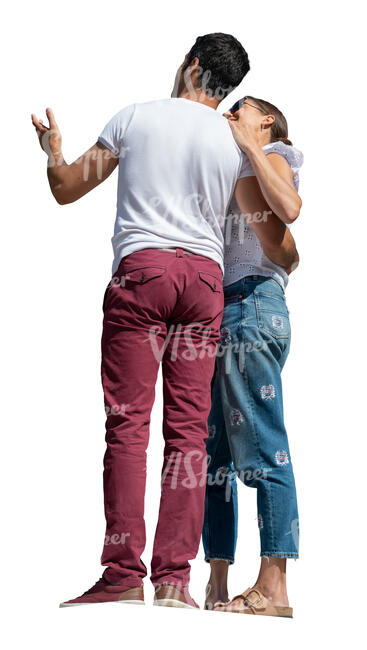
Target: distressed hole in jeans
277	322
211	430
236	417
267	392
281	457
225	336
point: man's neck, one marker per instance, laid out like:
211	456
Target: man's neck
200	97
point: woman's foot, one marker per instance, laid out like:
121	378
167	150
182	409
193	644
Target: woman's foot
217	589
268	596
272	580
252	601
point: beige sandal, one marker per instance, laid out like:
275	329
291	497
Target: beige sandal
252	601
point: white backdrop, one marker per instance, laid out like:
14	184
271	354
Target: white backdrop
87	60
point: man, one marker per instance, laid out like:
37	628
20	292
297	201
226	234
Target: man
178	165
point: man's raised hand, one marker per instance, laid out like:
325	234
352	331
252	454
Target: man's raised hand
49	136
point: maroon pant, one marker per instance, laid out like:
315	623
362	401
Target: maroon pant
159	307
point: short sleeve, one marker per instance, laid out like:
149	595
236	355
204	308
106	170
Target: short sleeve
246	167
293	156
114	131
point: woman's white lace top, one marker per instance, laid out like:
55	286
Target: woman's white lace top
243	254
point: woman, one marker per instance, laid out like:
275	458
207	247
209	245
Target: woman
247	436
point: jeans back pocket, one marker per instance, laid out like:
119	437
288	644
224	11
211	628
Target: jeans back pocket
272	314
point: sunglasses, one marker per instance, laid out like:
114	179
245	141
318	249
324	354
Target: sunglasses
236	107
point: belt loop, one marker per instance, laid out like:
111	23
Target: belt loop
179	252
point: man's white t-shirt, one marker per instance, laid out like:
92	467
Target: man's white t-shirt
178	168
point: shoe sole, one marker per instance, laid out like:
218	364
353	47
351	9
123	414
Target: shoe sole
283	612
123	602
171	602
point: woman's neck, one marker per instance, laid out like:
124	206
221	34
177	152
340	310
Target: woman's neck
265	138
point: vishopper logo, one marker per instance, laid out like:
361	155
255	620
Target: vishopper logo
189	342
191	471
235	351
179	470
294	531
195	341
169	590
182	209
226	476
118	281
98	154
219	93
116	539
116	409
237	225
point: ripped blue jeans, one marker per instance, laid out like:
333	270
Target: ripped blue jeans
247	437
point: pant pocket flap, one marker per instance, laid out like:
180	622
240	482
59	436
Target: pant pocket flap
213	282
144	274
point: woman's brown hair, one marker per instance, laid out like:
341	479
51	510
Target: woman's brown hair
279	128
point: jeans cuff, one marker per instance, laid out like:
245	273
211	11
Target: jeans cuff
227	558
291	555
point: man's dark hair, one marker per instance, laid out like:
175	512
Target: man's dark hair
223	62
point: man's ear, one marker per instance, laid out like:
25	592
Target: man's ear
190	67
194	68
191	73
194	63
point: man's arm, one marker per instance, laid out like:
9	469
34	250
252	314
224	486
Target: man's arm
276	239
69	183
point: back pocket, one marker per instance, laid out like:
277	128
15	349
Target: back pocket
272	315
143	274
214	283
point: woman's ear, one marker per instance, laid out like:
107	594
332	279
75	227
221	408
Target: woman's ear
267	121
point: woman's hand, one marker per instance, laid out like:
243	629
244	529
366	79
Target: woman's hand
246	129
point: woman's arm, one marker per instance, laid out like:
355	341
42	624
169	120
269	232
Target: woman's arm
275	238
272	171
276	181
